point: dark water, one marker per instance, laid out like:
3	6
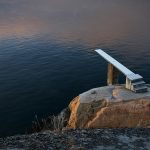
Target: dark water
47	52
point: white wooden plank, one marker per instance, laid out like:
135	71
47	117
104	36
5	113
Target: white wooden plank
115	63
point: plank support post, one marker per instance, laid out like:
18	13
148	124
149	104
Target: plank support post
112	75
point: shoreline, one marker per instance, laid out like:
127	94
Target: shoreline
79	126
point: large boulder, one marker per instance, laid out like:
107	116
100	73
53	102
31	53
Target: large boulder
111	107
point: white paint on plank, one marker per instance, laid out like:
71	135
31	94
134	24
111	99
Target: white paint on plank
115	63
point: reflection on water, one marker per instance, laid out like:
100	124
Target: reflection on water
47	57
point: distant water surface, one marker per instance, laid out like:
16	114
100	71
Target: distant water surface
47	52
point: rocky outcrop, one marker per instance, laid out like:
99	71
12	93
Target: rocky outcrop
111	107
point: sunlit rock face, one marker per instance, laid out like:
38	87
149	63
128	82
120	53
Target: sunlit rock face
110	106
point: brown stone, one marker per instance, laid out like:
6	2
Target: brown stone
118	111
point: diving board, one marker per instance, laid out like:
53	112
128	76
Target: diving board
134	81
114	62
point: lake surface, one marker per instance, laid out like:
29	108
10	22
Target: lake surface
47	52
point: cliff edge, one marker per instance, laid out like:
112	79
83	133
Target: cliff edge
110	107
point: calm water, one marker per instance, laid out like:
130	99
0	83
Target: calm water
47	52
